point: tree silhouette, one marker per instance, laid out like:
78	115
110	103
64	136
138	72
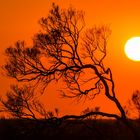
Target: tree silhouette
21	103
64	51
136	101
133	105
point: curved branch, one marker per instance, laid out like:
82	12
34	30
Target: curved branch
67	117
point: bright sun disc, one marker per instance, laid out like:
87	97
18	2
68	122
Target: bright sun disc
132	48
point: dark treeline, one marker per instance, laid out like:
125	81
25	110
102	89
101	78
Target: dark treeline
70	130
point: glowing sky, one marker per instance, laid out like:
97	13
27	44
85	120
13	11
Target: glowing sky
19	21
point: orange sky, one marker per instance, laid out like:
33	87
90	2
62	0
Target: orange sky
19	21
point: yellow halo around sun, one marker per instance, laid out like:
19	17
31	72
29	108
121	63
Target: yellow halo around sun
132	48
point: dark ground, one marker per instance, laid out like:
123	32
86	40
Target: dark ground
13	129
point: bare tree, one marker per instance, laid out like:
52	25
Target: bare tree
64	52
133	105
20	102
136	101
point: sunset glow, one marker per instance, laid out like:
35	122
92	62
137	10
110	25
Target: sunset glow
19	21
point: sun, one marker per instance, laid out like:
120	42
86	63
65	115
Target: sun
132	48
